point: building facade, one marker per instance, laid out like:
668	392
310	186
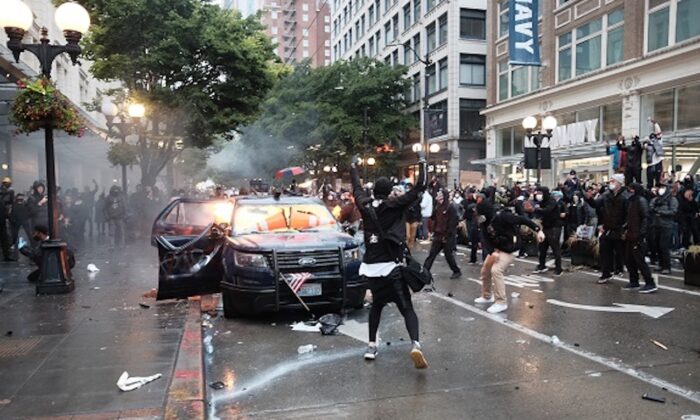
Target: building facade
300	28
22	157
451	37
607	67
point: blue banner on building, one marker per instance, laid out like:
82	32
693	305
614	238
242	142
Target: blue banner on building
523	44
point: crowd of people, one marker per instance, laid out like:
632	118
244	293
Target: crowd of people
109	217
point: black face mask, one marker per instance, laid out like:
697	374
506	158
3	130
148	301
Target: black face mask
36	238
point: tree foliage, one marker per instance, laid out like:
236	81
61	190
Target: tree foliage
320	111
201	71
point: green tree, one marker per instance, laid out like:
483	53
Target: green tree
201	71
320	111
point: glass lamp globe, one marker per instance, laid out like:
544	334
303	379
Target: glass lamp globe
529	123
72	17
434	148
417	147
371	161
549	123
136	110
16	14
109	108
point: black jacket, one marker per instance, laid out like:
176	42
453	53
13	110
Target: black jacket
634	154
663	210
549	210
390	215
613	212
502	231
637	215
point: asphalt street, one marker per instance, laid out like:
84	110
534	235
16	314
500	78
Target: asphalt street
566	348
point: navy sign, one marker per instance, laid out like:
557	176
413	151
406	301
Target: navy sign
523	45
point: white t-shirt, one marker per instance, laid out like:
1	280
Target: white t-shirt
426	205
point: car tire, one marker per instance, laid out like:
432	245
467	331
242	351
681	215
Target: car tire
230	310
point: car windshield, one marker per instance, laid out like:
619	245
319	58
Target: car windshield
198	215
279	217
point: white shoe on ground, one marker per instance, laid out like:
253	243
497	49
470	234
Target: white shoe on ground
482	299
497	307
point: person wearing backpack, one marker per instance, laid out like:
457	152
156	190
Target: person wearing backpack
501	233
385	232
115	215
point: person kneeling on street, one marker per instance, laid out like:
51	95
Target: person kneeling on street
385	232
40	234
501	234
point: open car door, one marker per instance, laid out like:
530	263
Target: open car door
189	235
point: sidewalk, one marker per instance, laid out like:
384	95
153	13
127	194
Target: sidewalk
62	355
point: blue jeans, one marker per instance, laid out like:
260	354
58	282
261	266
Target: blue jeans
423	229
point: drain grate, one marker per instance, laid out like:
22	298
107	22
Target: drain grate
13	347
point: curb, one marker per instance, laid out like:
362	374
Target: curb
186	397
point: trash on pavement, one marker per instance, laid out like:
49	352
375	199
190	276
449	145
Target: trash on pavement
555	340
150	294
520	341
144	305
654	398
207	344
659	344
515	295
8	334
126	383
529	305
330	323
595	374
217	385
308	348
96	288
303	327
92	268
207	324
5	402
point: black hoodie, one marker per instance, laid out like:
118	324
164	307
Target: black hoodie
549	210
637	214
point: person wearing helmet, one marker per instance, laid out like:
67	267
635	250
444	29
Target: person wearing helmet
7	200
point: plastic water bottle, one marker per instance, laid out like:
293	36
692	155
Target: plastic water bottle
308	348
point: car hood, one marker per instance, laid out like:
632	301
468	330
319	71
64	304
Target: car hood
295	241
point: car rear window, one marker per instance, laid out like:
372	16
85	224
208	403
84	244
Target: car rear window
250	218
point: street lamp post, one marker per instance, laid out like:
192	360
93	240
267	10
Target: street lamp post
549	123
74	21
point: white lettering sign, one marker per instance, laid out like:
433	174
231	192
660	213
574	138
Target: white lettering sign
573	134
523	14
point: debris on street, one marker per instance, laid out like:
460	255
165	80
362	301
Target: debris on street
330	323
126	383
144	305
654	398
217	385
307	348
515	295
303	327
150	294
555	340
658	344
92	268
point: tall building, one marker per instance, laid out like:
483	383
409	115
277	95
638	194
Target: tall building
246	7
607	67
300	28
22	157
451	34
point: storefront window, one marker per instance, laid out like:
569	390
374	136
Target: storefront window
658	106
687	19
504	142
688	107
612	121
518	139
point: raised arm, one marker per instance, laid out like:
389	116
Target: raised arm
357	191
411	196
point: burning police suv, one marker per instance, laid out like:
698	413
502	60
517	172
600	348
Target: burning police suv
262	253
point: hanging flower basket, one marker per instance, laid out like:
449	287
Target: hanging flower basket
122	154
39	104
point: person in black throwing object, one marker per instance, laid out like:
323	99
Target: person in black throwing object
445	220
385	232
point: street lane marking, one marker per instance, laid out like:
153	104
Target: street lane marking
651	311
688	394
357	330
